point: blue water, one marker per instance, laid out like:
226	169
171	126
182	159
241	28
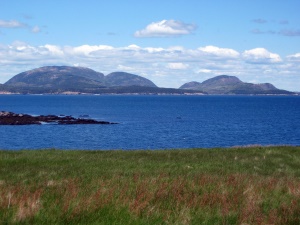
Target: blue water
155	122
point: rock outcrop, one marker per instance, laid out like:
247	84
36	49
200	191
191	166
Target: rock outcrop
10	118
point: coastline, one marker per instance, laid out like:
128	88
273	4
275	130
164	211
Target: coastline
158	94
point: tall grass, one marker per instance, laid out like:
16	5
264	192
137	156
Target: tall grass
256	185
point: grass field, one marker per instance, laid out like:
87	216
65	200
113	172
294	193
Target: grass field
253	185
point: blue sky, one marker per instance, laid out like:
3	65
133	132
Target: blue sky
167	41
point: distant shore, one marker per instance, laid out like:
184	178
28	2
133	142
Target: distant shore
161	94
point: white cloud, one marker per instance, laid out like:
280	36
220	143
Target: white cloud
87	49
204	71
134	47
17	24
261	55
176	48
125	68
166	28
154	50
177	66
21	48
11	24
222	52
295	57
55	50
35	29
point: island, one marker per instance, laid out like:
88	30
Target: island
10	118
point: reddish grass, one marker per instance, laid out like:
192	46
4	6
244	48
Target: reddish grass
249	199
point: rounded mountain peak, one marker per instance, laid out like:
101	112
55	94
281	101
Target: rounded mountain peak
223	79
190	85
127	79
50	76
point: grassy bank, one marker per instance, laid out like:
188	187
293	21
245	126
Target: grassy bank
256	185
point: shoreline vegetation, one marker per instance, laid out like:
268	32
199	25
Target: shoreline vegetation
240	185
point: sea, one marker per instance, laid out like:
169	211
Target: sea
154	122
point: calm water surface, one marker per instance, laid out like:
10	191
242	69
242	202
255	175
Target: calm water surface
155	122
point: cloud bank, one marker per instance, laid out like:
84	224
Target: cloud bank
166	67
261	55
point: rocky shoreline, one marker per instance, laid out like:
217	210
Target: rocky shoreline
10	118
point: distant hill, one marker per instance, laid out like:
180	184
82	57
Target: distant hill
225	84
58	77
6	89
66	79
127	79
190	85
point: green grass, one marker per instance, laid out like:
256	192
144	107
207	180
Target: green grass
253	185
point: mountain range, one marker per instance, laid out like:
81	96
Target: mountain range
75	77
67	79
74	80
225	84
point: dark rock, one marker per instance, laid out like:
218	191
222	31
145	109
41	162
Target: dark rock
10	118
